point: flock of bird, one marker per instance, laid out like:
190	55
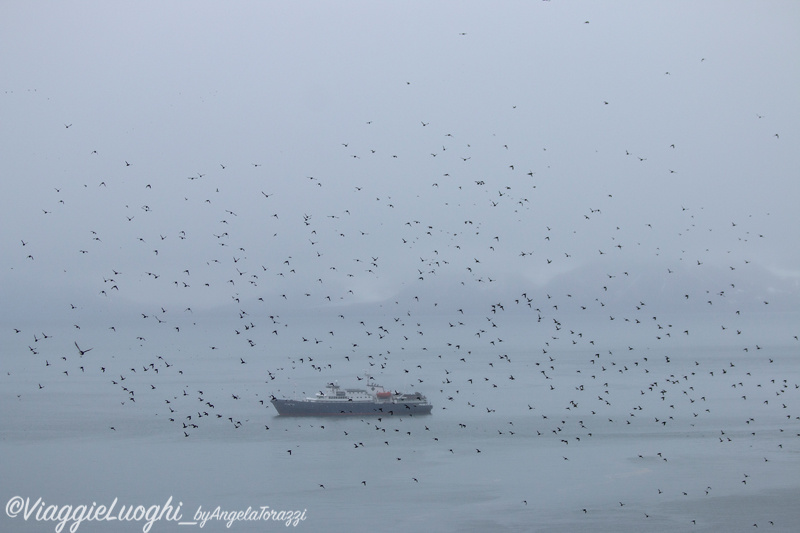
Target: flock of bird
452	273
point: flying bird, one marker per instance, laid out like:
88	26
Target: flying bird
82	352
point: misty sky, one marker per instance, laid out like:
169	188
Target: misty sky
197	154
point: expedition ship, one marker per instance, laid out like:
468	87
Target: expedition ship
372	401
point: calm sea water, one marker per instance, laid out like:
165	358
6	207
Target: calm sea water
691	438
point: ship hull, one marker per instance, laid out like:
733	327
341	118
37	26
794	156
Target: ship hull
340	408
